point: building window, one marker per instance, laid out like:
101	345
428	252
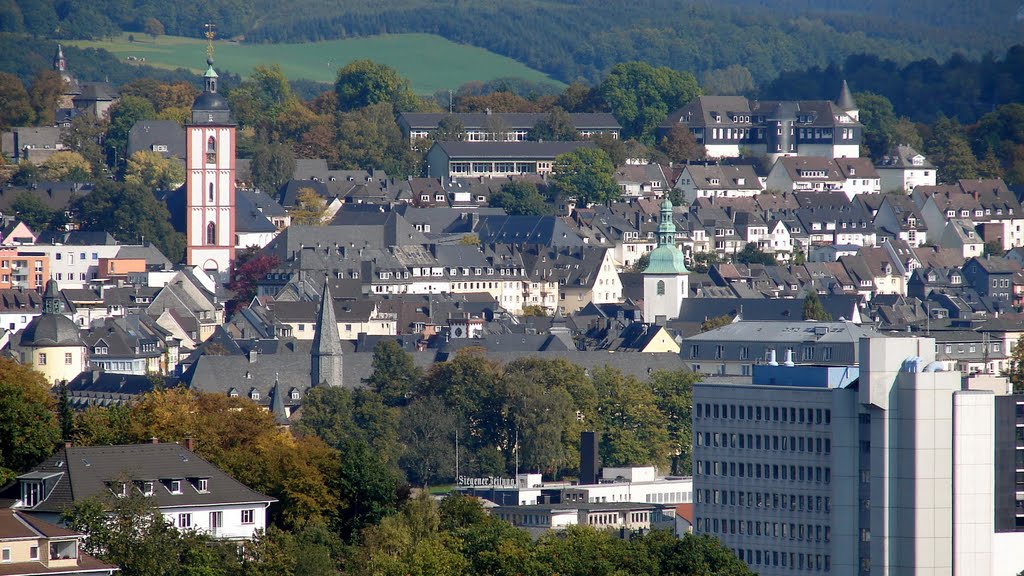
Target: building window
6	555
67	358
42	359
33	553
248	516
203	485
210	193
185	520
30	493
211	150
661	287
211	233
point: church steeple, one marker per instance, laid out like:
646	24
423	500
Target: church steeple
52	303
59	63
666	279
326	360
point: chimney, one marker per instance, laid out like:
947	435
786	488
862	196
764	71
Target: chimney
253	355
154	440
772	361
588	457
789	357
190	444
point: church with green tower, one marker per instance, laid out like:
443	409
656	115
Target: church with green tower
666	279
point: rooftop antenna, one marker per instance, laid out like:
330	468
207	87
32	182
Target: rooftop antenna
210	34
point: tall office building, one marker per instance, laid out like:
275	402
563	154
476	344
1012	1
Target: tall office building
886	468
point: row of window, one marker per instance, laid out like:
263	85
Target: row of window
780	530
790	473
792	560
496	167
766	500
764	442
977	213
247	516
41	359
765	413
71	256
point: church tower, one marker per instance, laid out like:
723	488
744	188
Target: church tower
71	86
210	179
325	360
666	279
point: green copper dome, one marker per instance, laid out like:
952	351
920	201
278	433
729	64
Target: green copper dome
666	258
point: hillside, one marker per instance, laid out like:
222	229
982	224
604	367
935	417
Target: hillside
430	62
569	39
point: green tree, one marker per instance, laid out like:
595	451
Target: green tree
673	392
641	264
751	254
153	172
428	439
272	166
362	83
813	309
879	120
691	554
15	106
370	138
734	80
45	95
394	376
29	430
949	151
519	198
557	125
368	488
586	174
990	167
993	248
130	213
633	431
310	208
153	27
84	136
66	165
716	322
450	128
641	96
31	210
123	115
680	145
703	261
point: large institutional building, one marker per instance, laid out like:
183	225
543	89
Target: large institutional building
727	126
889	467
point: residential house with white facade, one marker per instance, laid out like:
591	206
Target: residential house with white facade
903	169
191	493
717	181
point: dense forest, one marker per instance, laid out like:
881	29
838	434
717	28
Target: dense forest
573	40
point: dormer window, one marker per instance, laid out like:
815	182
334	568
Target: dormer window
203	485
254	394
233	393
31	493
174	486
99	350
295	394
147	488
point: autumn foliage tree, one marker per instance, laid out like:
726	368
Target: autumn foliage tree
251	265
28	424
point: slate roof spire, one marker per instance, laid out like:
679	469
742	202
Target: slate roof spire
845	100
277	405
326	352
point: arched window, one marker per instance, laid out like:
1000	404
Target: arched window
211	192
211	233
211	150
661	287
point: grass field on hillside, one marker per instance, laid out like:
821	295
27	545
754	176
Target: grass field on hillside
430	62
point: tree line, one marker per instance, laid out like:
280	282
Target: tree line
342	475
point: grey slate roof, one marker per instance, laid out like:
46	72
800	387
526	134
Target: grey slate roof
546	230
146	134
513	120
86	471
511	150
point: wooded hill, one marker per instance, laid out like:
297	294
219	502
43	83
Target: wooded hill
574	39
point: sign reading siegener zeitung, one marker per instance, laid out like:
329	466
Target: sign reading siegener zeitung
488	482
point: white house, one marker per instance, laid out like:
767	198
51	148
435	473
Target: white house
716	181
190	492
904	169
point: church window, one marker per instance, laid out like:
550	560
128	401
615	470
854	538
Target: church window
211	192
211	233
211	150
661	287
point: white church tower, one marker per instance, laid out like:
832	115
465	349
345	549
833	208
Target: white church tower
210	179
666	279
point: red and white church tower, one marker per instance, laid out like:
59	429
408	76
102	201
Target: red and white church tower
210	179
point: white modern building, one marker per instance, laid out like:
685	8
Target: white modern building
883	468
